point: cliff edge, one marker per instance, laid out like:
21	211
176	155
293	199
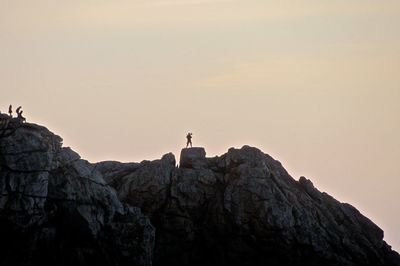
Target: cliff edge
241	208
55	209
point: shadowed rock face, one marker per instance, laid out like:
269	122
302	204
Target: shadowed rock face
243	208
55	209
194	158
238	209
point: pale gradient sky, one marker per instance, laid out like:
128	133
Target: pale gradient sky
315	84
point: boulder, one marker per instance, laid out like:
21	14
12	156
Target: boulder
194	158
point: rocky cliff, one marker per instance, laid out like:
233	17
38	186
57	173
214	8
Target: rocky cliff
241	208
55	209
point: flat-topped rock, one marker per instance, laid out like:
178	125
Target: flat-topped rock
194	158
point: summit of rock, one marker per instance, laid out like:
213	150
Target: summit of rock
240	208
193	158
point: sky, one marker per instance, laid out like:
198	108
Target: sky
315	84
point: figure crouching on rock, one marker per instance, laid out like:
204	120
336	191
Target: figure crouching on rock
19	113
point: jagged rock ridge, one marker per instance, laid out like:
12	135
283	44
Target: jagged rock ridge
241	208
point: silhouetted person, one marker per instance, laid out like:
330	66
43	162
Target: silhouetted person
189	139
10	110
19	113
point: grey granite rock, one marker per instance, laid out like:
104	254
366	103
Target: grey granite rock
243	208
146	183
194	158
56	209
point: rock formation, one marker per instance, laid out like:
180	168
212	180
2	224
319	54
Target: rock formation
241	208
55	209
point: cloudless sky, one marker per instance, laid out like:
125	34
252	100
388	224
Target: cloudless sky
315	84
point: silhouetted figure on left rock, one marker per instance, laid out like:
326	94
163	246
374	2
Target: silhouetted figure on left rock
189	139
10	110
19	113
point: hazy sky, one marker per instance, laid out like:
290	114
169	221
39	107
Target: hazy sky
315	84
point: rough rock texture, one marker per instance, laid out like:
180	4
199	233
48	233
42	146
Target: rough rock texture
194	158
243	208
56	209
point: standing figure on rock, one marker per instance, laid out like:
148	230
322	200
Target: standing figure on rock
189	139
10	110
19	113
